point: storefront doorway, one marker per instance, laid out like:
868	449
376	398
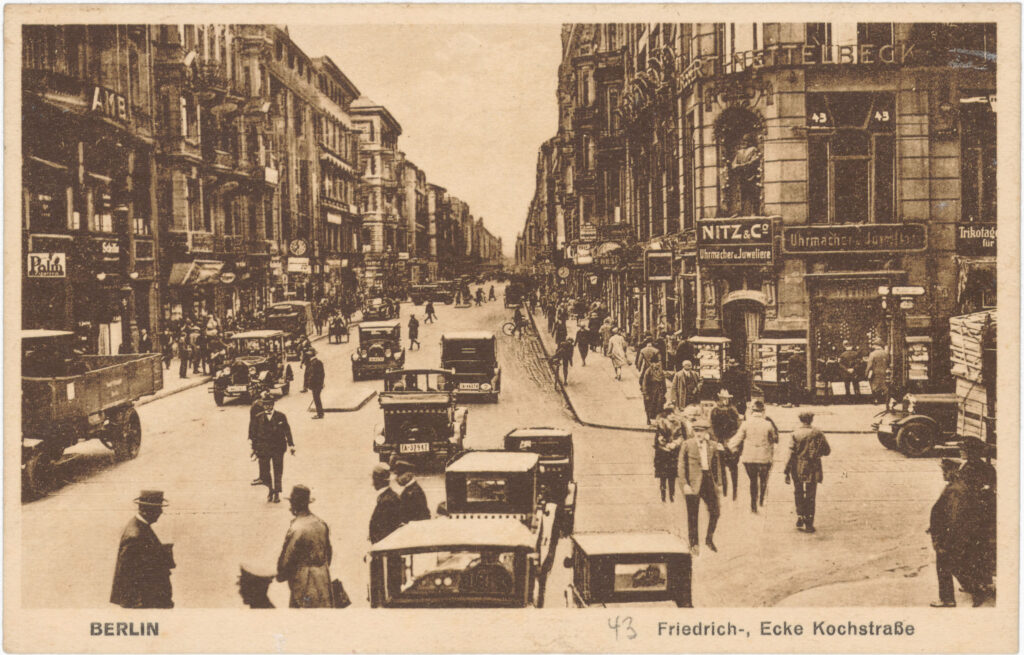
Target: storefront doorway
841	311
743	320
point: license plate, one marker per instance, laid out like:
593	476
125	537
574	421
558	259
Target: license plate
376	359
414	448
236	388
469	385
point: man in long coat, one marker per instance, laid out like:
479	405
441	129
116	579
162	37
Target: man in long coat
877	367
271	436
314	380
412	500
142	575
953	526
387	513
685	385
306	554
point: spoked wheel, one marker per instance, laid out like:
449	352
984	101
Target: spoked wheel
130	438
38	476
508	328
915	439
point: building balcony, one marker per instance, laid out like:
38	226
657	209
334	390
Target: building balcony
221	160
185	147
584	115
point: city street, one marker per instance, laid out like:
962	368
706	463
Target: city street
872	508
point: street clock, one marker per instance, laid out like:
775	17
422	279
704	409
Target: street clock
298	247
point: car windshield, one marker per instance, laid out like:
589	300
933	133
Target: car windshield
450	574
375	333
416	381
255	346
476	350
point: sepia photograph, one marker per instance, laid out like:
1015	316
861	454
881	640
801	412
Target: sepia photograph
687	321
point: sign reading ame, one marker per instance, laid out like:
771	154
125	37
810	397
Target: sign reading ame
735	241
861	238
47	264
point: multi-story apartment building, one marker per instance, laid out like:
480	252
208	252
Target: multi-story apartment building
777	176
378	156
89	234
340	177
414	241
437	218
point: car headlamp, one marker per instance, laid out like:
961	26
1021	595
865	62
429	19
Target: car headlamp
486	386
387	352
379	439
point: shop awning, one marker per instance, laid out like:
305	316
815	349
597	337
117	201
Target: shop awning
194	273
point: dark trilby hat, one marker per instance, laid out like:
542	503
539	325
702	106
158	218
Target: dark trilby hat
151	498
301	495
973	445
950	464
402	466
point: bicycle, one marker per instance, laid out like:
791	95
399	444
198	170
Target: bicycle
509	328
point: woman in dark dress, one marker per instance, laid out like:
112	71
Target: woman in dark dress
667	441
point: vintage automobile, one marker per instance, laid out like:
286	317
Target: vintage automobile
918	423
255	362
67	398
380	349
380	309
421	420
555	476
447	563
295	319
473	356
499	483
435	292
609	568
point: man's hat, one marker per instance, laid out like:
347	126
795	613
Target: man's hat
151	498
724	393
973	445
758	406
310	351
701	423
301	495
949	464
262	573
381	471
402	466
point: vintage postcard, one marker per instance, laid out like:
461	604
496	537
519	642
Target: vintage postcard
512	328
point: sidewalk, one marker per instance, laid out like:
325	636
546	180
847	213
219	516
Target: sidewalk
174	384
598	399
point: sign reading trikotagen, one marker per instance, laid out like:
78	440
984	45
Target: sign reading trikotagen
735	241
864	238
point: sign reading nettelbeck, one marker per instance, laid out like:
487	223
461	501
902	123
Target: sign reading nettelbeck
735	241
864	238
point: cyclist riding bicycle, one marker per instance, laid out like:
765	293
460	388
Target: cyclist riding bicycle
519	320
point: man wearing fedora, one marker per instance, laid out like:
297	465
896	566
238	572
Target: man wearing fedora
306	554
314	380
142	575
252	586
387	513
698	464
725	421
412	500
271	437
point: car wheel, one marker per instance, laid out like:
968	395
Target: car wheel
38	476
915	439
218	397
887	440
130	438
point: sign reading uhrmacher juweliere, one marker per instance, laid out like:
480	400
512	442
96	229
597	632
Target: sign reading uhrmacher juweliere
735	241
878	237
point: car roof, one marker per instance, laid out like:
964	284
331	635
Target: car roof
468	334
291	303
526	433
378	325
396	372
257	334
630	543
417	396
44	334
448	532
484	461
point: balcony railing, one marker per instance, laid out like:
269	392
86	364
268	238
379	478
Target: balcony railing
183	146
222	160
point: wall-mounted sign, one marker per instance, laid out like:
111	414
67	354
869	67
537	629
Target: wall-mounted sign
976	239
299	265
658	265
588	232
735	241
593	279
334	218
110	104
615	231
403	256
47	264
861	238
110	249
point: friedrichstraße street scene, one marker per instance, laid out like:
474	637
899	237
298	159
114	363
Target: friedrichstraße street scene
735	348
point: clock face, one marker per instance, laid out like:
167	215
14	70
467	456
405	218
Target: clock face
297	247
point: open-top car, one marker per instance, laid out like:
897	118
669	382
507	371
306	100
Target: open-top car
609	568
473	356
295	319
380	349
918	423
254	363
421	420
380	309
555	474
446	563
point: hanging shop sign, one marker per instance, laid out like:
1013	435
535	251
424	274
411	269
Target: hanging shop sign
47	264
299	265
588	233
735	241
658	265
583	255
276	266
976	239
861	238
